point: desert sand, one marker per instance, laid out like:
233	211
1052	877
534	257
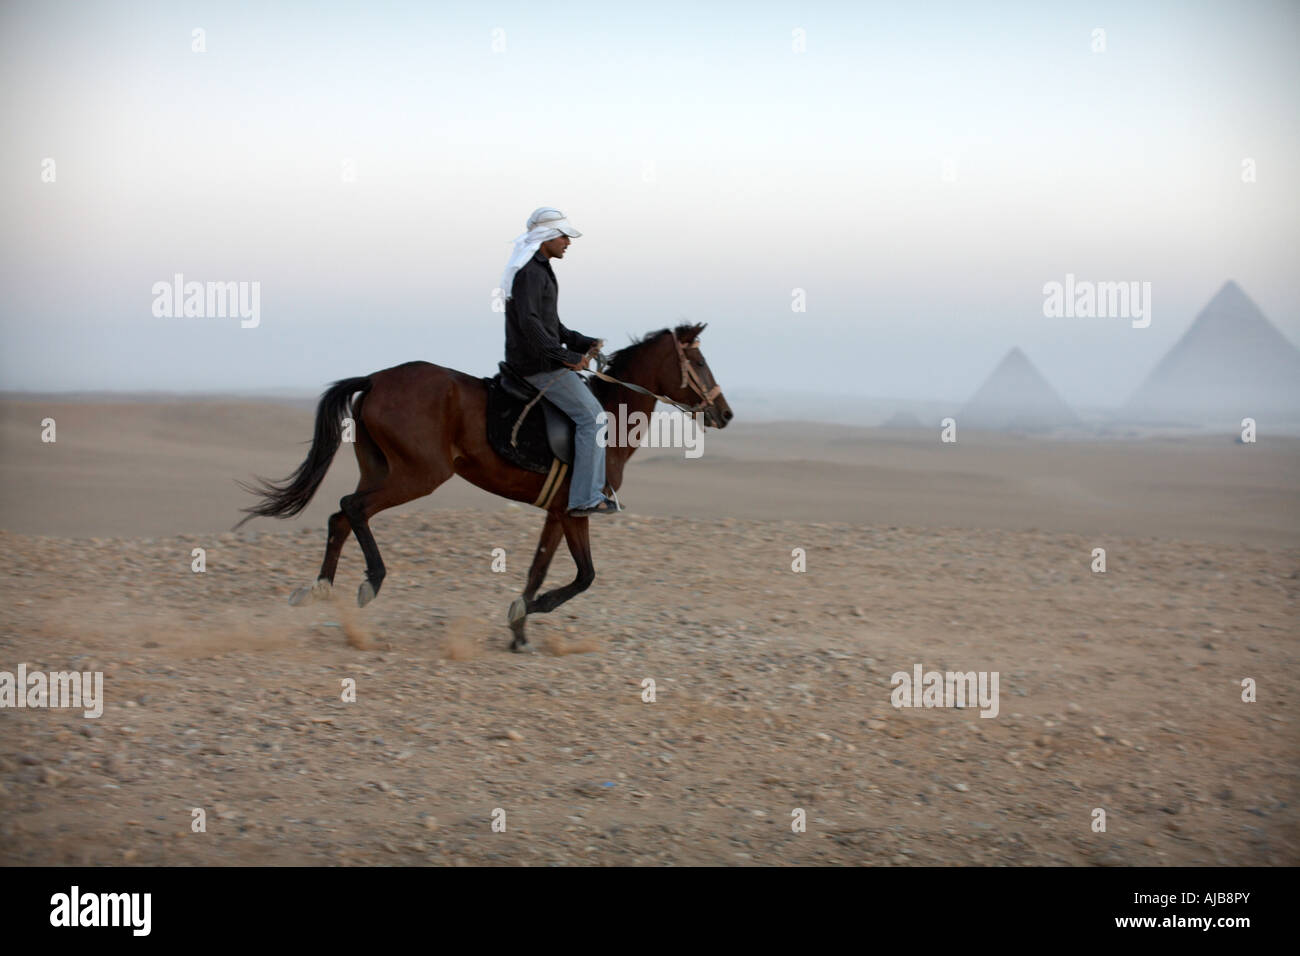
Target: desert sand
1119	691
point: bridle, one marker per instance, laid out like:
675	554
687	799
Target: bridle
690	378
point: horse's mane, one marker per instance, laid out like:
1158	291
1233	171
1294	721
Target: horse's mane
687	332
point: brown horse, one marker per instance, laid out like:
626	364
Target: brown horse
418	424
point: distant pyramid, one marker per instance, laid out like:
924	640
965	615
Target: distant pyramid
902	419
1016	396
1230	364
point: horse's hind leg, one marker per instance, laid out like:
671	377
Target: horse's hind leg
519	609
359	507
339	529
374	468
402	485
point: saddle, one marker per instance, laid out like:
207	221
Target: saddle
545	436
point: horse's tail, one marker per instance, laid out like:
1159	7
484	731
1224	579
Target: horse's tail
287	498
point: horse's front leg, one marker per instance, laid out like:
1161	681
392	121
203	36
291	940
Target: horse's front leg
520	607
576	534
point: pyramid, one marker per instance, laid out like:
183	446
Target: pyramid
1231	363
1016	396
902	419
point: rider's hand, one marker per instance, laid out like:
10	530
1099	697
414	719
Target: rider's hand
581	366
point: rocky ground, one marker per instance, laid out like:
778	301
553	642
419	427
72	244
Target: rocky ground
1119	691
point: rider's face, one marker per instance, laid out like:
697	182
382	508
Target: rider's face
554	248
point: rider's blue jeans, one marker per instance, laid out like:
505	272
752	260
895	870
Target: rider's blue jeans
570	393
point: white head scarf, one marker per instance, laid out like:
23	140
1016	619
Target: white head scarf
543	225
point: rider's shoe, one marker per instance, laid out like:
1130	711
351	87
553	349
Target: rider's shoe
606	507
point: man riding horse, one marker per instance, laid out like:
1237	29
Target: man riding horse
417	424
549	356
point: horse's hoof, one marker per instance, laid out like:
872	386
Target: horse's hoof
365	594
518	610
521	646
320	591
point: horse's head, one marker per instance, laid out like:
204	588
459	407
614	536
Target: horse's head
684	375
669	363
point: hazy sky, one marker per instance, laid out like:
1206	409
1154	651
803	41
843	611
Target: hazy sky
712	168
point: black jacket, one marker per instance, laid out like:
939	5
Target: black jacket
536	339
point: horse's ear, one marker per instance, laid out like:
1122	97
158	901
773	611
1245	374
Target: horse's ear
686	334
